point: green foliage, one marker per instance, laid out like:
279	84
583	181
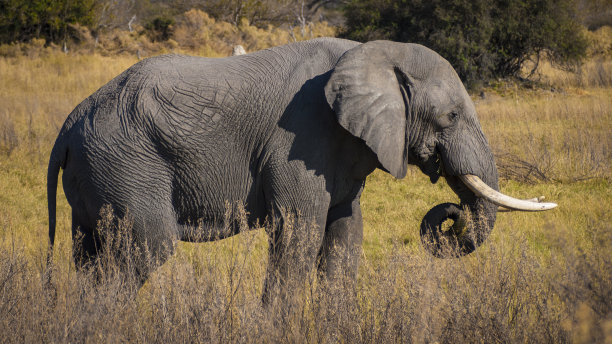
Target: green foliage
482	39
160	28
49	19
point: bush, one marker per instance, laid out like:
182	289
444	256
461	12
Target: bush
23	20
160	28
482	39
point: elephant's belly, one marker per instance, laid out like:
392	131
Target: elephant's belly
212	206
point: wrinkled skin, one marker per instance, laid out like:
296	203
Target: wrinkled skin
295	129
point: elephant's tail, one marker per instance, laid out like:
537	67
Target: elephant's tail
56	161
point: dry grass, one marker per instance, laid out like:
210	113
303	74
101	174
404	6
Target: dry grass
540	278
503	293
549	136
597	72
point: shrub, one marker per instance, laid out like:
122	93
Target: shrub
160	28
193	32
23	20
482	39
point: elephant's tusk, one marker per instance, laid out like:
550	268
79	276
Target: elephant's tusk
507	210
483	190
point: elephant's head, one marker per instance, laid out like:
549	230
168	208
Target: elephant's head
410	107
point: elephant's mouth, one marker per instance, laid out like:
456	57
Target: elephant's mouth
432	167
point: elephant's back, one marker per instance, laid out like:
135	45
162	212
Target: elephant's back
196	84
173	129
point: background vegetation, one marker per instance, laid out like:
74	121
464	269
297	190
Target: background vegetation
55	21
482	39
539	278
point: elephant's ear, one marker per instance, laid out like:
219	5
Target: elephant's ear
369	95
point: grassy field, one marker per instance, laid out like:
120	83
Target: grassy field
541	277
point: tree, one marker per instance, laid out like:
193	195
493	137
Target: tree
111	14
482	39
22	20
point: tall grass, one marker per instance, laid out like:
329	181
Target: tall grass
594	73
539	278
504	292
544	136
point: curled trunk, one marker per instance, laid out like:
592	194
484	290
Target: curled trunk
471	225
472	220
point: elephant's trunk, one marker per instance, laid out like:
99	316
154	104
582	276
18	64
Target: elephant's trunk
473	221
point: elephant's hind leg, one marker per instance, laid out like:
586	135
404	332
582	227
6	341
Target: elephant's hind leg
127	246
148	242
85	243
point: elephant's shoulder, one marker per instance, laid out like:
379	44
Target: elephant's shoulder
334	43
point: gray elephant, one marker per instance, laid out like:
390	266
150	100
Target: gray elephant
294	129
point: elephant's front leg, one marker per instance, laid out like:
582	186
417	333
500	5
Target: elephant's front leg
341	247
294	242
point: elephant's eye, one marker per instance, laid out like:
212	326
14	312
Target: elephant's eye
447	120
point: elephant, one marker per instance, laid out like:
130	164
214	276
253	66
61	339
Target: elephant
291	131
